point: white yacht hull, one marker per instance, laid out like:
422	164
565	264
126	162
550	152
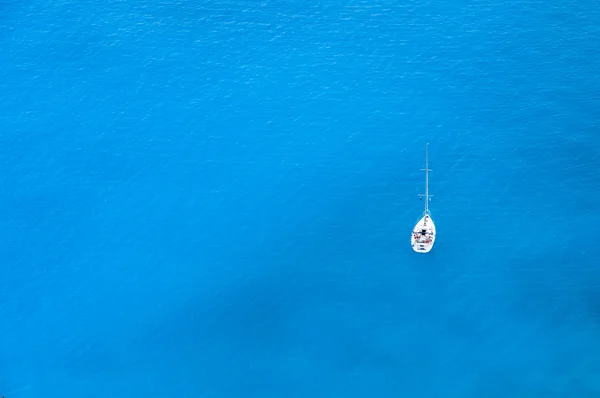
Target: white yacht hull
423	235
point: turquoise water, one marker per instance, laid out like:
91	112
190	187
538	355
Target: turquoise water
215	199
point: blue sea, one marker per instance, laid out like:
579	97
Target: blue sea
215	198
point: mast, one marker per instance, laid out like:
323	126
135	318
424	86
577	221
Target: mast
427	178
427	170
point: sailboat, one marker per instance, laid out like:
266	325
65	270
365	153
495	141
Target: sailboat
423	234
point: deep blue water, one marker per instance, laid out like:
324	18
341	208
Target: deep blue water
215	198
